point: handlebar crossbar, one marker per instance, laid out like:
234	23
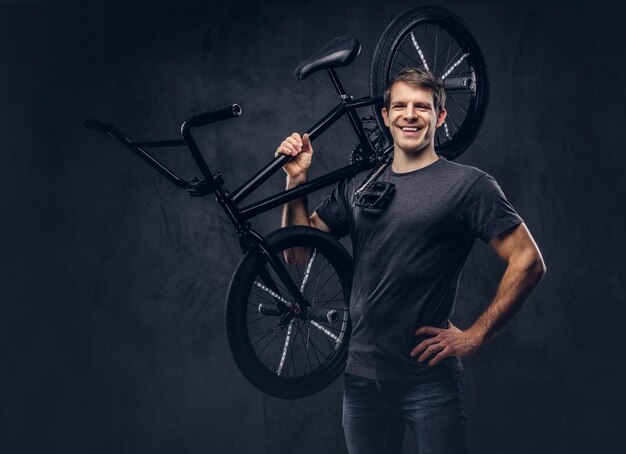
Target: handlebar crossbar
113	132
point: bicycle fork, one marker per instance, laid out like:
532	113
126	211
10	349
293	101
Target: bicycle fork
288	310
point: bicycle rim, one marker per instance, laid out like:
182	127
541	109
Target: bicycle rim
296	357
437	40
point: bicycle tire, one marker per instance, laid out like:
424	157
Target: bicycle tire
400	35
298	362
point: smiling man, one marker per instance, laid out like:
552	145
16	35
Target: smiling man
403	363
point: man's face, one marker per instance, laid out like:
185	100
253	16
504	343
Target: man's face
411	117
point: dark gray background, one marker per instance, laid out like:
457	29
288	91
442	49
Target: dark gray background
113	281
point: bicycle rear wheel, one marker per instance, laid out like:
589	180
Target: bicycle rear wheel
437	40
291	357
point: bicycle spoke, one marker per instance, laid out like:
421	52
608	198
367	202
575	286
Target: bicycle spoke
334	297
285	347
315	349
447	50
419	51
280	288
267	334
295	265
330	344
307	271
399	68
454	65
321	271
274	294
324	330
436	45
457	103
292	361
323	285
262	317
266	349
274	364
317	283
449	117
447	131
325	303
306	348
261	296
407	57
468	70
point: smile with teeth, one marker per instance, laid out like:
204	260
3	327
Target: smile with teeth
410	129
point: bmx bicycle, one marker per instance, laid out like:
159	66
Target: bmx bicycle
287	317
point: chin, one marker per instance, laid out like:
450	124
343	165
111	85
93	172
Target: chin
414	148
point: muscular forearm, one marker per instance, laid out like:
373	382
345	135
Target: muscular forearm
518	281
524	271
296	211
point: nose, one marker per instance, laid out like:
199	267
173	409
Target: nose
409	113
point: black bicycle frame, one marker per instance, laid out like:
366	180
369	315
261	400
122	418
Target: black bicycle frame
214	182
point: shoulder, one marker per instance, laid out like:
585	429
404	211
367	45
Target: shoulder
461	176
462	171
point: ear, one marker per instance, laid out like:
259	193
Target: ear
441	117
385	116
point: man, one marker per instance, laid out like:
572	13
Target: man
403	363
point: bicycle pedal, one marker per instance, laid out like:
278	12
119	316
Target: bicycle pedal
375	195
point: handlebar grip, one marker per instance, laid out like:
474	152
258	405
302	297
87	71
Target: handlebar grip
96	125
219	114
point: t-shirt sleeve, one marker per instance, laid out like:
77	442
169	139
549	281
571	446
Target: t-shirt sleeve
335	210
486	212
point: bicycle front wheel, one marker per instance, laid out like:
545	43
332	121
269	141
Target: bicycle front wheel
285	356
437	40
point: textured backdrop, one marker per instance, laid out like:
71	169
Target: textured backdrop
113	281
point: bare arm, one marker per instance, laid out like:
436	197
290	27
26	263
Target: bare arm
296	211
524	271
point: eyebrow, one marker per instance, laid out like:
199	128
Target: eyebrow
418	104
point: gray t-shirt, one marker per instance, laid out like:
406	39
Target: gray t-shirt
408	259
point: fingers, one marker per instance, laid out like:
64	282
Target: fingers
430	351
423	346
437	345
306	144
439	356
429	347
428	330
293	145
289	147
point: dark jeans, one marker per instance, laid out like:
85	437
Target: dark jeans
376	412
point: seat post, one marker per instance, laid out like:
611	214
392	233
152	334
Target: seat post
354	118
336	82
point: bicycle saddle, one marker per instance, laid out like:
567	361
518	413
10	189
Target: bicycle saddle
341	51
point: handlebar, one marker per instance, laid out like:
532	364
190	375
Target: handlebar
219	114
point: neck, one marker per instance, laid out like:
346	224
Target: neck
407	162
